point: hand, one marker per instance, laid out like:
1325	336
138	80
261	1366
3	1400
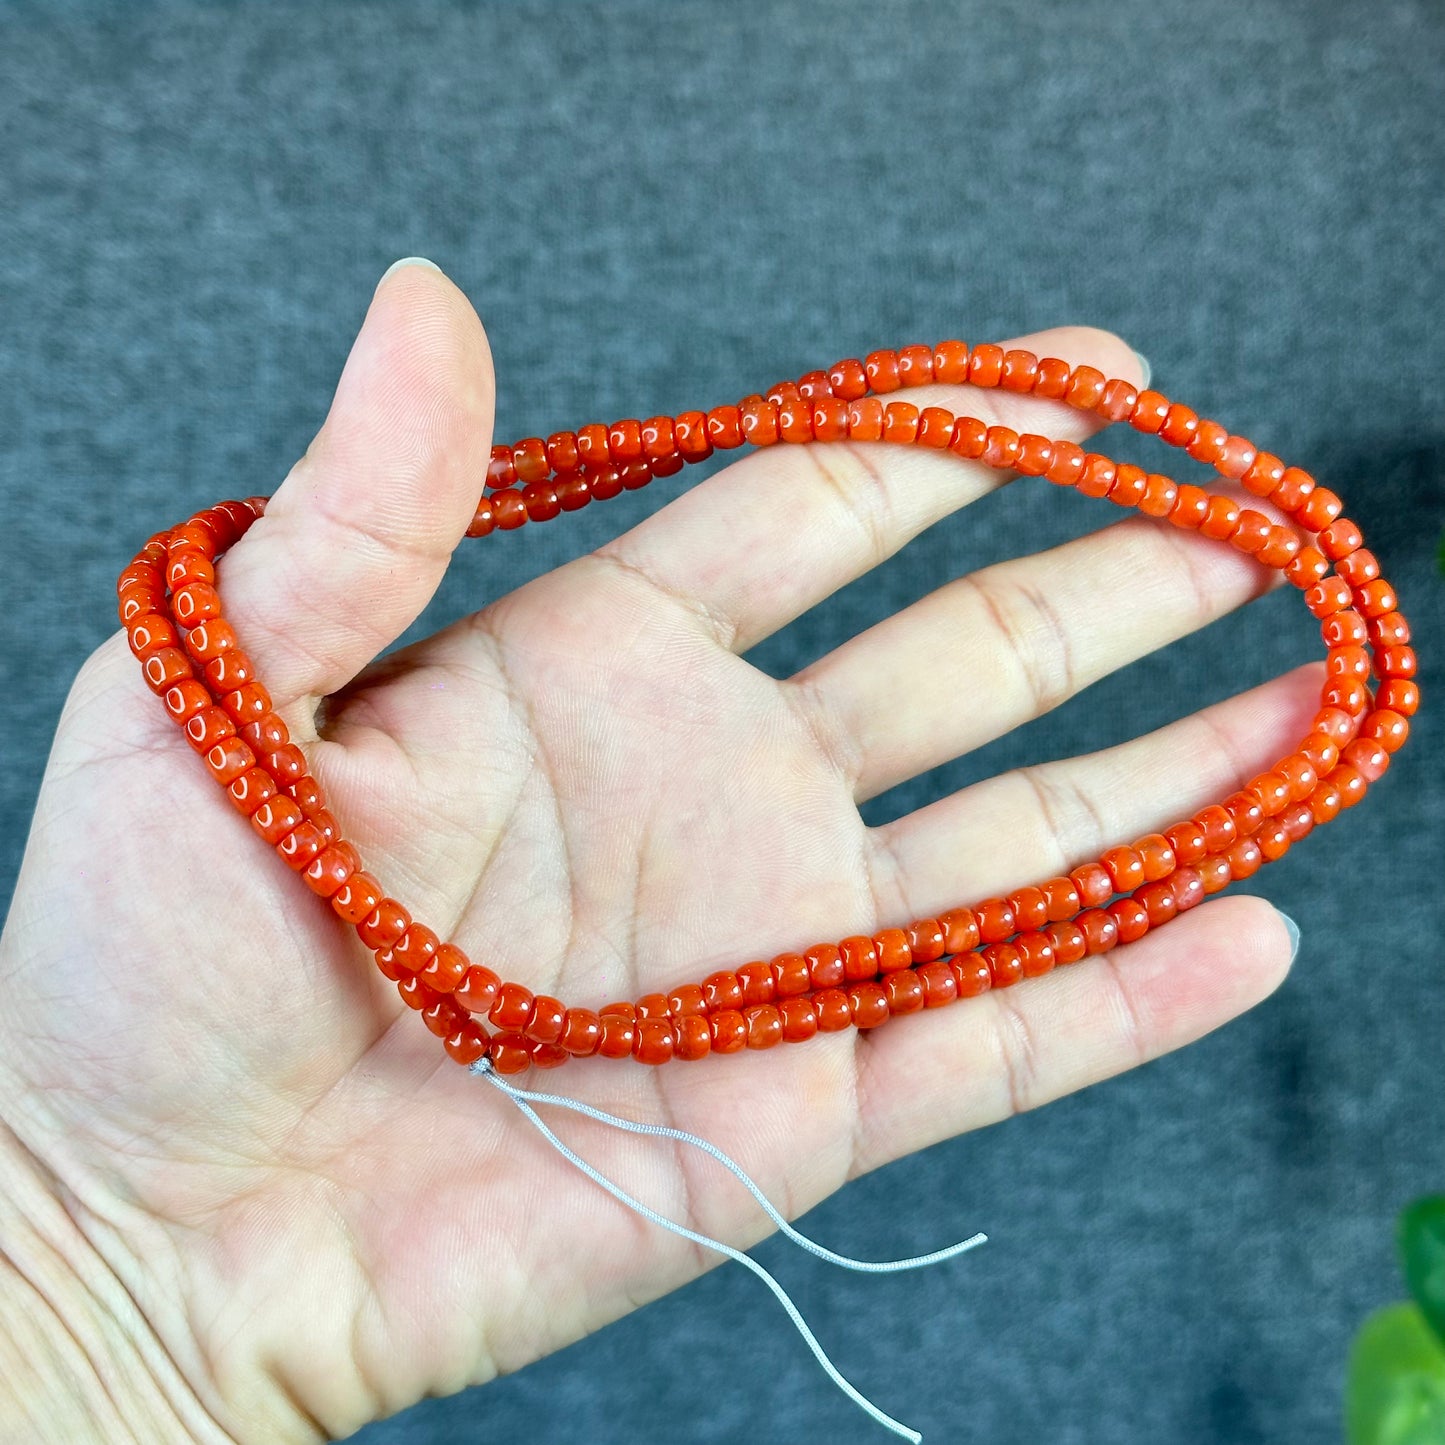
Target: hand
244	1157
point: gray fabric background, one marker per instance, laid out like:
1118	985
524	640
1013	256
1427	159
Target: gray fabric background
656	206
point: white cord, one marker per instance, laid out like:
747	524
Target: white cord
525	1098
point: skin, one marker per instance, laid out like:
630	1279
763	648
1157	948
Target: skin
247	1197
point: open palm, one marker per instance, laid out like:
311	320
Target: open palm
317	1214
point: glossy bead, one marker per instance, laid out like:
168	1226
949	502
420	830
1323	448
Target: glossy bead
799	1019
881	369
384	924
868	1005
1020	371
756	982
466	1045
251	789
722	991
834	1010
950	363
728	1030
825	966
1156	854
904	991
1036	953
510	1053
860	958
940	986
301	845
971	975
1068	940
765	1026
960	930
581	1032
1158	902
1005	964
328	870
685	1000
996	920
545	1022
1125	868
1101	932
1130	917
891	950
1061	899
1030	908
691	1037
228	759
926	939
985	365
1093	883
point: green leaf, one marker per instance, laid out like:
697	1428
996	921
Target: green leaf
1422	1245
1395	1393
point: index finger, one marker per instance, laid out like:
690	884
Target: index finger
762	541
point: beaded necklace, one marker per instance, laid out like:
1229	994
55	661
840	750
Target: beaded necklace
191	658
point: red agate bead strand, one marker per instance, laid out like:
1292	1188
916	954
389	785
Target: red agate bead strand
191	657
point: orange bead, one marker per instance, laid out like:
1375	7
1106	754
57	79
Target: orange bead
950	363
692	1037
891	950
652	1043
868	1004
765	1026
756	982
729	1031
722	991
825	966
618	1035
926	940
971	974
904	991
799	1019
960	930
940	986
581	1032
860	958
1036	953
1005	964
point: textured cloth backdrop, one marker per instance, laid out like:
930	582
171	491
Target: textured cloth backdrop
658	206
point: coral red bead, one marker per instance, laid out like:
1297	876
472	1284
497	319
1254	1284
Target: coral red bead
328	870
1125	868
1030	908
251	789
825	966
868	1005
1101	932
926	939
544	1024
1069	942
581	1032
1036	953
301	845
940	986
891	950
729	1031
1005	964
691	1037
860	958
960	930
765	1026
996	920
950	363
512	1008
985	365
466	1045
799	1019
971	975
904	991
756	982
687	999
1131	918
721	991
834	1011
1093	883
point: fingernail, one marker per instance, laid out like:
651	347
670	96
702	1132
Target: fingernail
1292	928
1143	362
409	261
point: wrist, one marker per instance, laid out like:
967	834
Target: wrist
79	1362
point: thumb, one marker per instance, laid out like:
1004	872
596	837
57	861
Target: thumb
354	543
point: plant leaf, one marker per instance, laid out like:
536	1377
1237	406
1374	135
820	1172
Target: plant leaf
1422	1246
1395	1392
